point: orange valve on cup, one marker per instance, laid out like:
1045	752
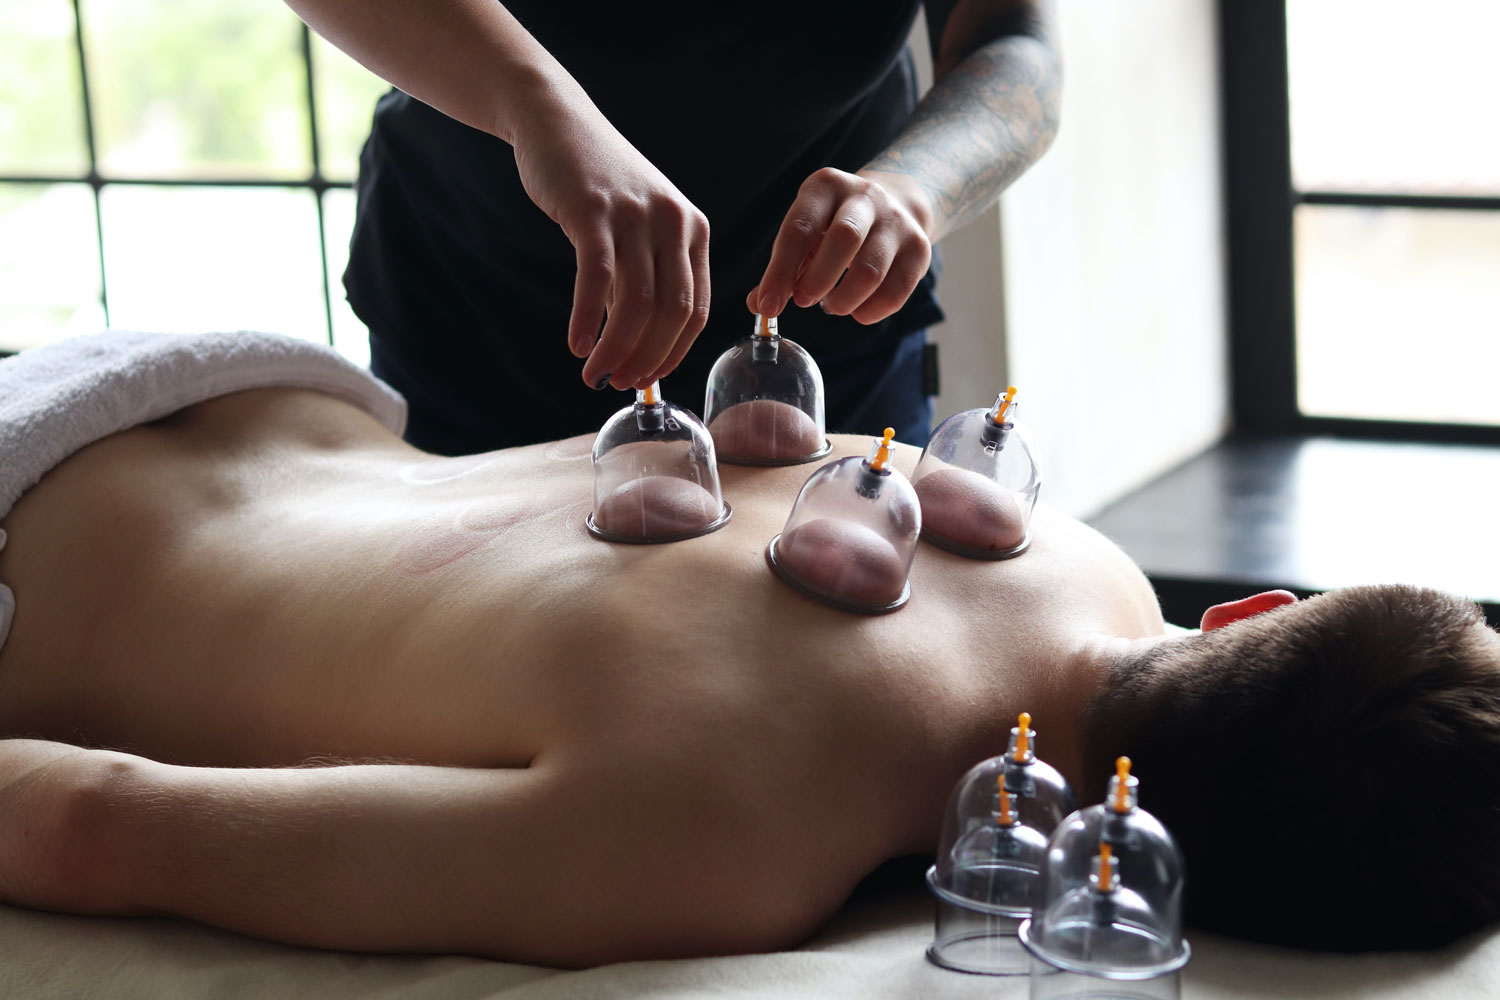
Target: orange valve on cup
1123	786
764	403
1002	404
1105	879
1005	815
881	453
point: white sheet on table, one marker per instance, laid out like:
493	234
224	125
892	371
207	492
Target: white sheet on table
873	950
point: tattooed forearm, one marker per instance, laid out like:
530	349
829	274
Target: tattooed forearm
979	128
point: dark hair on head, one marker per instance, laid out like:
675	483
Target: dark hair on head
1331	768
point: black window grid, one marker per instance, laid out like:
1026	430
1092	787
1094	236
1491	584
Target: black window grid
1261	202
314	181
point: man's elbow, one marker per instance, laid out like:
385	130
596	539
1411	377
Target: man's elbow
69	846
983	24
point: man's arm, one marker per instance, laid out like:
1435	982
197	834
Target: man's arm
552	864
642	246
992	112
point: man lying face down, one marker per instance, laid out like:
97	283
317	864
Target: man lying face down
1326	766
272	669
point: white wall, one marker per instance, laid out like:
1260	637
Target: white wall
1110	315
1113	255
971	342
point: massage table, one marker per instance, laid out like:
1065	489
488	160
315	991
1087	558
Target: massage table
872	949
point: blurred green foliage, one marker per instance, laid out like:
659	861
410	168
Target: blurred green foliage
185	87
190	89
180	88
347	93
41	113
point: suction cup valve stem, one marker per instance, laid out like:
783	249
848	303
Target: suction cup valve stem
1121	796
1106	878
650	411
881	453
1023	754
1120	790
874	469
1019	757
996	428
1011	781
763	346
1002	404
1005	815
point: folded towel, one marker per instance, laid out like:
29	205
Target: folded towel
57	399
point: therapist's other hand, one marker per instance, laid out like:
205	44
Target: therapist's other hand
642	246
856	243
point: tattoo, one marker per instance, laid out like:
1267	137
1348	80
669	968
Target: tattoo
979	128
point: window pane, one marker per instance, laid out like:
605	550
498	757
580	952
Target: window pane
346	99
41	112
350	336
184	89
194	259
49	264
1398	313
1392	96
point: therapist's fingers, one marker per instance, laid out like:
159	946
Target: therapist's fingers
631	297
798	236
702	296
831	257
596	266
864	273
913	255
671	313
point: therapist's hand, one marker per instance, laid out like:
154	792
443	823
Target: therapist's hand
642	246
856	243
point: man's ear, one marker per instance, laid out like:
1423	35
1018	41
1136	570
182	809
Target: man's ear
1232	611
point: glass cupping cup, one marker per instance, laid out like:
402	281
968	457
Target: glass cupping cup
978	482
987	876
656	477
1110	919
852	534
764	404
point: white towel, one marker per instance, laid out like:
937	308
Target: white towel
57	399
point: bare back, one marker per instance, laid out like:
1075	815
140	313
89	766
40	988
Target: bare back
271	577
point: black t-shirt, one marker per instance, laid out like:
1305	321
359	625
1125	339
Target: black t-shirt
467	286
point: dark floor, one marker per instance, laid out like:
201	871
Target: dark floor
1310	514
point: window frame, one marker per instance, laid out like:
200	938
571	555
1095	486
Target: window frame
1260	203
314	181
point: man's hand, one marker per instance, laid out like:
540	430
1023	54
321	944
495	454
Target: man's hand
642	246
856	243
